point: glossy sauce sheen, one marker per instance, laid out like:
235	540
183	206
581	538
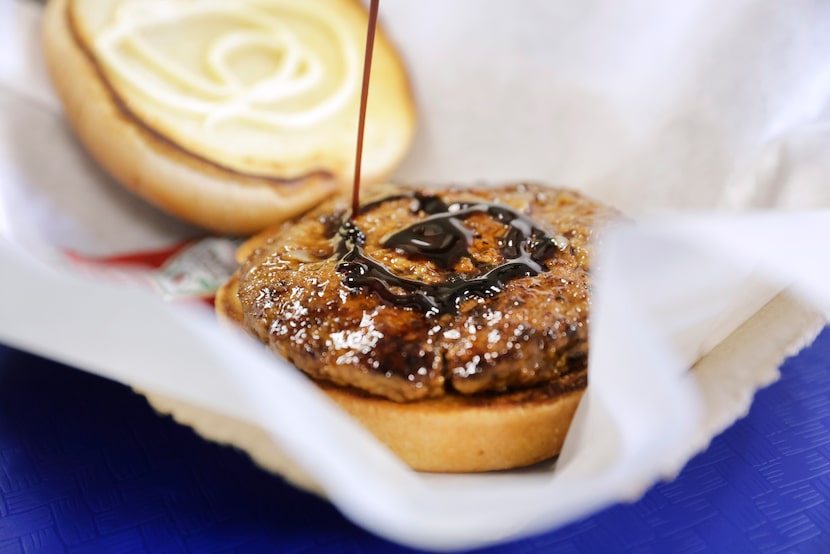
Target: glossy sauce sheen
441	238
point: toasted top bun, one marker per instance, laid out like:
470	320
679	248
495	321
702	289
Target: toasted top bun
232	115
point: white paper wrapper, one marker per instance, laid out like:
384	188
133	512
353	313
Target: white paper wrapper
700	107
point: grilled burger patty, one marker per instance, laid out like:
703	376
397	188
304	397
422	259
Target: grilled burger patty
336	322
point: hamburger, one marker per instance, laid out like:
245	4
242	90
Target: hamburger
230	115
452	323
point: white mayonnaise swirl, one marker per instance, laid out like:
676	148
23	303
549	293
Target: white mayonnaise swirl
220	95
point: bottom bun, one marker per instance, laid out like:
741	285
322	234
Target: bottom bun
456	434
460	435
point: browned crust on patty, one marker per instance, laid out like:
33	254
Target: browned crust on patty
532	332
230	311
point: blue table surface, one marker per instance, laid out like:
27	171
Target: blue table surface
87	466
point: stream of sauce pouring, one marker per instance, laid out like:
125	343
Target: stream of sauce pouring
364	97
440	238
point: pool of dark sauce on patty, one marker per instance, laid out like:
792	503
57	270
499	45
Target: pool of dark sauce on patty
441	237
